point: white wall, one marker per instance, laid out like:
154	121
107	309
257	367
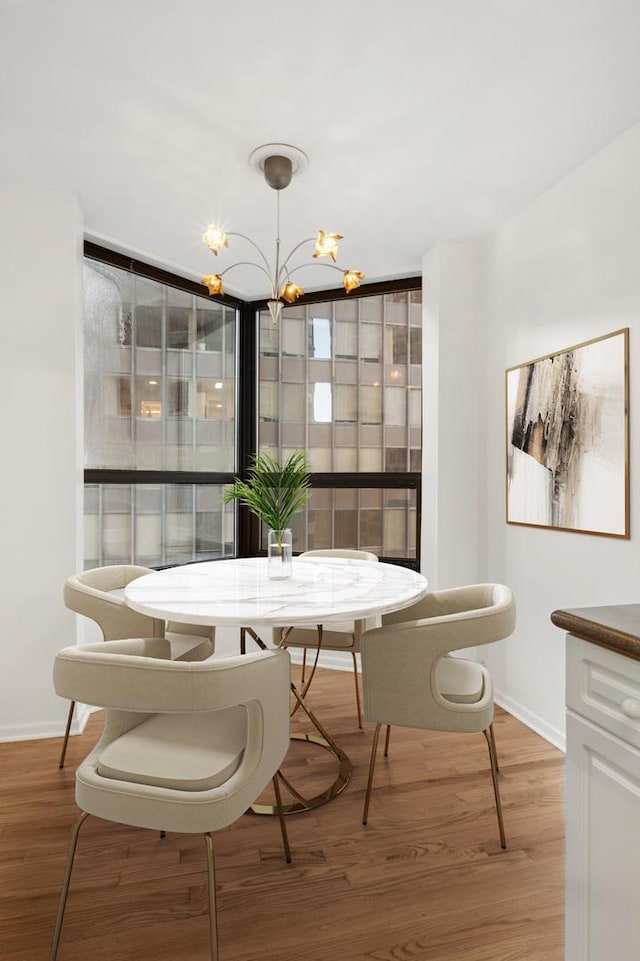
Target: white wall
41	476
451	384
564	270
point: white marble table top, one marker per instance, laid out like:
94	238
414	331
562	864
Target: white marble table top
239	592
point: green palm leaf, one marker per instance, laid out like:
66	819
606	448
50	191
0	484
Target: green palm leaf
272	492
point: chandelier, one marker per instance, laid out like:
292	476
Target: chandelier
278	163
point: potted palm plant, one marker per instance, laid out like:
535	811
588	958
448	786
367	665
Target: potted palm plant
274	492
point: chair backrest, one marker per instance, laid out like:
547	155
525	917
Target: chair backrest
400	659
132	682
341	552
98	594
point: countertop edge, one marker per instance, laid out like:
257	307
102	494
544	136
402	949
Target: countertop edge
603	632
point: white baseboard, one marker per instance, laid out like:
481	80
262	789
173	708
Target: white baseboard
43	729
547	731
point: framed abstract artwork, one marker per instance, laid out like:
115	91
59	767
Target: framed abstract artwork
568	439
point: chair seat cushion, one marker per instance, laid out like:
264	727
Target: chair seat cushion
459	680
184	752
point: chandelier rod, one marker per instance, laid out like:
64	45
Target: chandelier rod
276	273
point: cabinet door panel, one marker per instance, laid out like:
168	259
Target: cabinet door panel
603	844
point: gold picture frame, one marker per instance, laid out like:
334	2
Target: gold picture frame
567	420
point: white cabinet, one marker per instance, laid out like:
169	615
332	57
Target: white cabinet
602	804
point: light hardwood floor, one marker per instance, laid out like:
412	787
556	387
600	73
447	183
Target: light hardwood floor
426	880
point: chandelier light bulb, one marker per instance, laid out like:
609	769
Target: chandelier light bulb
327	245
213	282
215	239
351	279
291	291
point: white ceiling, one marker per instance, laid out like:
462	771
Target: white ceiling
423	120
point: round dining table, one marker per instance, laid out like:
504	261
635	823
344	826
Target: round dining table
239	592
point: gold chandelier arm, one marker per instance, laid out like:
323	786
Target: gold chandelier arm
311	263
253	244
283	269
350	279
246	263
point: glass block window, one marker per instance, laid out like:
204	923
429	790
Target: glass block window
380	520
156	524
160	389
160	375
339	379
343	380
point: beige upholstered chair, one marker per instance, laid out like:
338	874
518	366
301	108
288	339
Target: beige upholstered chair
99	594
342	636
186	747
409	678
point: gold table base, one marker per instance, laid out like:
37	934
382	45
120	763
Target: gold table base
308	804
322	739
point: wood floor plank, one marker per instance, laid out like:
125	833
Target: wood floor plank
425	880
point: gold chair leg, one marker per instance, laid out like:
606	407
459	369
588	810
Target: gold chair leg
213	918
493	742
66	734
496	790
372	764
304	663
283	826
355	678
305	687
65	884
386	741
